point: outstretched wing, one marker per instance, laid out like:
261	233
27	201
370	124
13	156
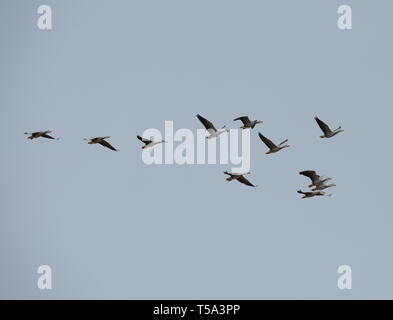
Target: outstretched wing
144	140
301	192
206	123
285	141
324	127
47	136
243	119
310	174
107	144
242	179
266	141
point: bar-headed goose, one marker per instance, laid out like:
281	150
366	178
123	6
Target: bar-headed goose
149	143
239	177
273	148
101	141
213	132
247	123
327	133
38	134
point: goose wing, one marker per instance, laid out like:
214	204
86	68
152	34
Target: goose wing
305	193
244	119
144	140
242	179
310	174
285	141
107	144
207	124
266	141
324	127
45	135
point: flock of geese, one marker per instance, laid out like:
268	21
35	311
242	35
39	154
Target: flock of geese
318	183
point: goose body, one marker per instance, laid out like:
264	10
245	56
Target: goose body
239	177
247	123
327	133
272	147
102	141
316	179
38	134
323	186
213	132
149	143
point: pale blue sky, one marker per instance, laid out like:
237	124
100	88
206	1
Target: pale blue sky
112	227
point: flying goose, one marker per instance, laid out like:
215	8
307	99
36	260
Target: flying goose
43	134
149	143
273	148
101	141
247	123
315	178
326	130
210	128
310	194
239	177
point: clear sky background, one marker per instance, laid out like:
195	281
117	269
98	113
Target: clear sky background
112	227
